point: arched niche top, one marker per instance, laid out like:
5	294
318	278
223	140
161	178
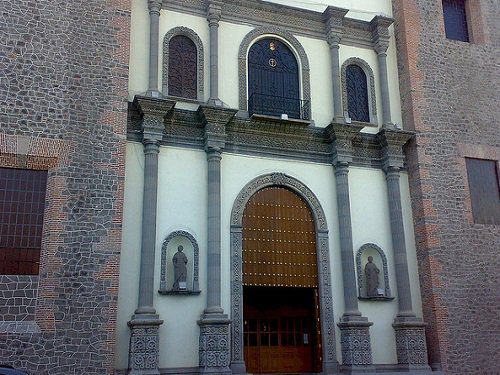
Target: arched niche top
181	30
288	38
278	179
196	254
360	271
372	102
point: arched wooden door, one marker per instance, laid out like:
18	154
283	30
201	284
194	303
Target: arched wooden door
281	309
273	79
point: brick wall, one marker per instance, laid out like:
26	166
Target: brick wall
63	95
450	98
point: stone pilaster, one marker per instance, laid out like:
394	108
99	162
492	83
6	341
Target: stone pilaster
214	10
334	29
145	323
380	34
214	348
154	7
409	329
354	328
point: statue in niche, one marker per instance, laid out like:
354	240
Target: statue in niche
180	270
371	275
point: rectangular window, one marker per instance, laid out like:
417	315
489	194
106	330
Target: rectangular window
484	190
22	203
455	20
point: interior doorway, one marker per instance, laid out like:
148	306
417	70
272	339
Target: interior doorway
281	330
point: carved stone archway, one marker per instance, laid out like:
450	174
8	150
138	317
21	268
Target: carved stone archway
330	362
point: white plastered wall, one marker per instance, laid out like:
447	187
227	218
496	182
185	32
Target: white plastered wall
230	38
182	206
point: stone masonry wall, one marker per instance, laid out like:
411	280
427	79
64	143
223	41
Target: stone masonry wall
63	103
450	98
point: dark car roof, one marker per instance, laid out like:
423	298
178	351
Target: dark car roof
9	370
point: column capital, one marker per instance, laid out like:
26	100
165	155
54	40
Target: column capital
380	33
342	136
214	12
214	121
154	6
334	25
152	112
391	143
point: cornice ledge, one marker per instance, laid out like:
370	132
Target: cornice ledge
152	112
391	143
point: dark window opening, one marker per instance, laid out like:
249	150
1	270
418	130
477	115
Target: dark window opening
22	203
357	93
273	81
484	190
455	20
182	67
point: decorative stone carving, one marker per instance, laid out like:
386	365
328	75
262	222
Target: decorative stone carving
144	346
342	137
375	251
291	41
356	347
392	142
181	30
326	304
380	33
191	287
411	345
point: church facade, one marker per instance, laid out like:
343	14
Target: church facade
238	187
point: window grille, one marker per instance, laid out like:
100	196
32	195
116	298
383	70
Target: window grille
182	67
22	203
357	93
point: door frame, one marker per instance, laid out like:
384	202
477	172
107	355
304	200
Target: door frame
327	322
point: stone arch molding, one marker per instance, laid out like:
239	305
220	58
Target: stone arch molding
181	30
359	269
196	255
372	102
323	256
288	38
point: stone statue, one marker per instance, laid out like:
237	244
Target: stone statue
180	270
371	276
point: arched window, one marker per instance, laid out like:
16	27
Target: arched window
273	79
357	93
183	64
182	67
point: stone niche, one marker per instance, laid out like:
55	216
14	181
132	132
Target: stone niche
371	253
171	245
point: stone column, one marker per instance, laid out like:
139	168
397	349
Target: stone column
214	348
410	330
334	29
354	328
154	30
145	323
214	10
380	33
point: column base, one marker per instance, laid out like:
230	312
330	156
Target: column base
411	345
238	367
355	344
144	348
214	344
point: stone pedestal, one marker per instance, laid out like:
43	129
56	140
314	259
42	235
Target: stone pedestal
411	346
144	345
214	344
355	345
